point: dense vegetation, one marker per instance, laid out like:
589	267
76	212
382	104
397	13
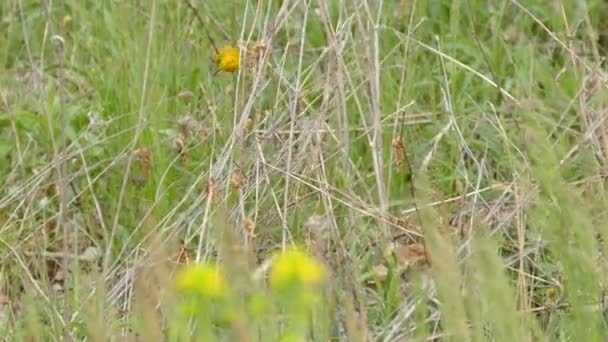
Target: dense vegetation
444	161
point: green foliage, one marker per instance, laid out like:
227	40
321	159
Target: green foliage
119	146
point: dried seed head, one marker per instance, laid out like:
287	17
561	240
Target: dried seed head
381	272
249	226
261	54
187	127
185	95
402	222
181	148
398	151
203	134
212	190
236	180
183	256
142	155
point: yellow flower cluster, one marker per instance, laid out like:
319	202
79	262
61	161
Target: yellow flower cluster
293	267
203	279
227	59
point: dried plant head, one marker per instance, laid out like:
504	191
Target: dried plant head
260	54
261	50
187	126
181	147
398	151
236	180
227	59
212	190
184	256
142	155
203	134
249	226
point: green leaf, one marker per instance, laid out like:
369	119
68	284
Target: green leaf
4	120
5	148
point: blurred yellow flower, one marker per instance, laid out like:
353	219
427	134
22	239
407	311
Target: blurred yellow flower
295	267
227	59
292	337
204	279
257	305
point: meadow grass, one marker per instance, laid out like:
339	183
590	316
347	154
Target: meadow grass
445	160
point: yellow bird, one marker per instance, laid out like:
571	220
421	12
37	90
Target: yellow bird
227	59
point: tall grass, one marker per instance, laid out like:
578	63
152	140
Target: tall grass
444	159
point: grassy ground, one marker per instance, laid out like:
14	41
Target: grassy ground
446	161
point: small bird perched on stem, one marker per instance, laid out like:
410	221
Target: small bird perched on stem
226	59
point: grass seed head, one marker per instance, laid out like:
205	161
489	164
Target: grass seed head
142	155
212	190
236	180
249	226
181	148
398	151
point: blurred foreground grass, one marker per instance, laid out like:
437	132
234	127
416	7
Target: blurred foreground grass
443	160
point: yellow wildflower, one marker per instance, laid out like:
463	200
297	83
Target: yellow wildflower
295	267
204	279
227	59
